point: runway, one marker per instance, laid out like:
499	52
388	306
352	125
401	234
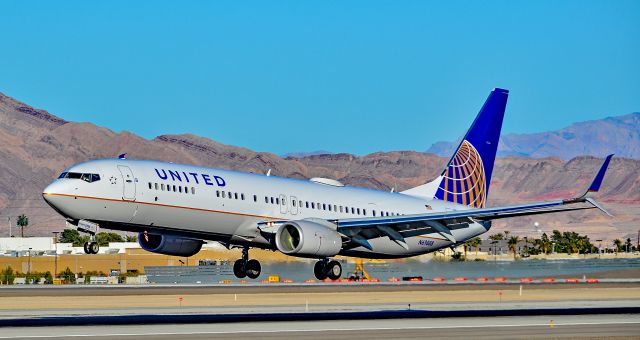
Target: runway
569	326
259	288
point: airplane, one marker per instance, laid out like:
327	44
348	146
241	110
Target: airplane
175	208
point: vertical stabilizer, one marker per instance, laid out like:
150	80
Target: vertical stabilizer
466	178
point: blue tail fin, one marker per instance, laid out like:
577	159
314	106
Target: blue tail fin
466	178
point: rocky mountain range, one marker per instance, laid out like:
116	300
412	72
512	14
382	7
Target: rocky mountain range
619	135
35	146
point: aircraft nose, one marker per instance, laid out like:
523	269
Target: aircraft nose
49	193
52	188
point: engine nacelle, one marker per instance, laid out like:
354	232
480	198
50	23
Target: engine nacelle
169	245
308	239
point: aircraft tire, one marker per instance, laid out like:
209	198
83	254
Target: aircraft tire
86	248
252	269
238	269
319	271
333	270
93	247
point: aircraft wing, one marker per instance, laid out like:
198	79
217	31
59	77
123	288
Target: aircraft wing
359	230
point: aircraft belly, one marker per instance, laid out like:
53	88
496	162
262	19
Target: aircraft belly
383	247
187	218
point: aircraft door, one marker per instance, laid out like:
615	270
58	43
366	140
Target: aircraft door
294	205
283	204
129	183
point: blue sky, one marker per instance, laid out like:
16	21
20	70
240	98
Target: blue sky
354	76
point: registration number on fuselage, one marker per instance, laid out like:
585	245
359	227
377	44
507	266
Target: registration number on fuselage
426	243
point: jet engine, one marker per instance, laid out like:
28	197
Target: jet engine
308	239
169	245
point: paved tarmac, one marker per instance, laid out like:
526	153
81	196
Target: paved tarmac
622	326
259	288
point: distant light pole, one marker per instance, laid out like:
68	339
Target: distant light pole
29	267
553	247
55	242
494	249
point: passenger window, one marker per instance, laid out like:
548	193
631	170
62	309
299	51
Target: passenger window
335	208
340	208
217	193
230	195
277	200
272	200
374	213
313	205
223	195
294	203
149	185
353	210
306	204
193	190
266	199
255	198
156	185
174	188
358	210
242	197
300	204
236	195
162	186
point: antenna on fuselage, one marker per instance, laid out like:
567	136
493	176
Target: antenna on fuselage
268	172
122	156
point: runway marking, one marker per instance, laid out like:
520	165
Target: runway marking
318	330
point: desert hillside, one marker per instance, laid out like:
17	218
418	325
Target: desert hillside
35	146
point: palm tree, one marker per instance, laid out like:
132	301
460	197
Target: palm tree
23	221
617	244
496	237
545	243
475	243
513	244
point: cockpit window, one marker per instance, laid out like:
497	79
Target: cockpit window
83	176
74	175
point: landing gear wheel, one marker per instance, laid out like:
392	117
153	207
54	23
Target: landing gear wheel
319	270
238	269
252	269
93	247
333	270
86	248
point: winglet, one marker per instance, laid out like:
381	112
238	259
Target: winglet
597	181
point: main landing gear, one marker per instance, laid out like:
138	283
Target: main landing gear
91	247
246	268
327	269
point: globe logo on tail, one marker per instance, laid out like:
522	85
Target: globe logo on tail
464	180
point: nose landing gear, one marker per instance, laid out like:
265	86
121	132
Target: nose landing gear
245	267
327	269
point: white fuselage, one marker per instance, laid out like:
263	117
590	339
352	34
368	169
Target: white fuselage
226	206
